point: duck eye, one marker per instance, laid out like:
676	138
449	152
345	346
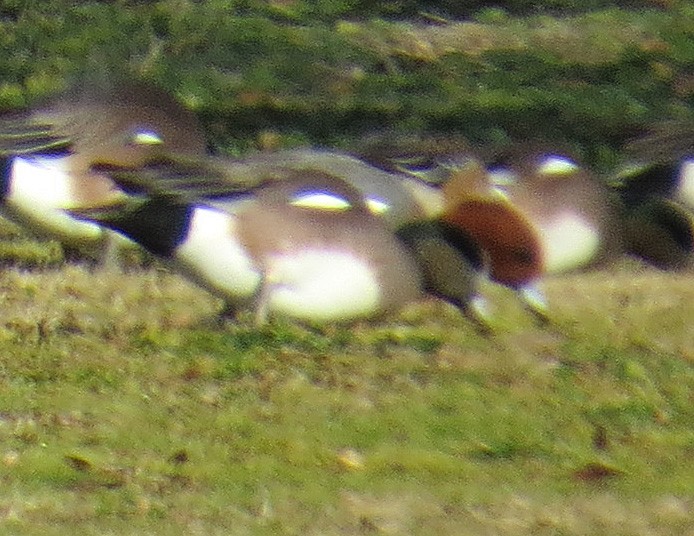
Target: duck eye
320	201
556	165
145	137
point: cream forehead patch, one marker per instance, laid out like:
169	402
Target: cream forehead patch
556	165
501	179
502	176
320	201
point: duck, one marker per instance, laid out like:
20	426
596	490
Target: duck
530	210
305	247
46	154
639	181
428	157
656	187
534	212
308	246
659	163
397	198
660	232
452	267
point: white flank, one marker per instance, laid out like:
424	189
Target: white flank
321	285
213	256
556	165
41	181
39	193
685	192
320	201
569	241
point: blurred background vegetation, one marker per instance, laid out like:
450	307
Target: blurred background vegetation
263	73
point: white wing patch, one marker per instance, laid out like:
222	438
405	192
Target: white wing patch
556	165
146	137
569	241
377	206
321	201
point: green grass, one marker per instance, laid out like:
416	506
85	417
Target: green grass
125	409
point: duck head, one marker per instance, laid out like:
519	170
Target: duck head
536	214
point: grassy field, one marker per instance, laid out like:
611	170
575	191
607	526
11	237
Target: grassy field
126	409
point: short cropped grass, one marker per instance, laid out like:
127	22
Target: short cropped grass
126	408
